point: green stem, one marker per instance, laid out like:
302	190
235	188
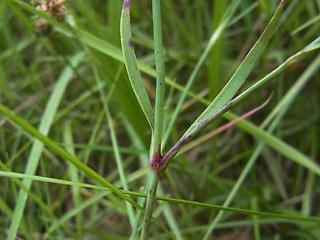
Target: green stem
158	50
149	206
155	149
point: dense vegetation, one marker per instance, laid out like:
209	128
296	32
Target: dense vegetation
64	74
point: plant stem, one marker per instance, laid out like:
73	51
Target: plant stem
158	50
149	206
155	149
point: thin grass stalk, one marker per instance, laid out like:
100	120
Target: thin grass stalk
289	218
155	149
115	145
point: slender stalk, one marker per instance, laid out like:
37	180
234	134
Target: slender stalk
158	50
155	149
149	206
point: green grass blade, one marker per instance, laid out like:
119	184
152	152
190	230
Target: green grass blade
33	196
74	212
213	40
116	151
37	147
67	156
283	105
277	144
255	219
131	63
284	66
61	152
237	210
242	72
171	200
74	176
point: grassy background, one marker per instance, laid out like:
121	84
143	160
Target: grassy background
31	65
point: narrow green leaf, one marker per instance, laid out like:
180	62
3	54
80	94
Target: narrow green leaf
74	176
115	145
283	106
73	160
168	199
131	63
242	72
37	147
212	42
278	145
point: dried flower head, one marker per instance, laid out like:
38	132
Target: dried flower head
55	9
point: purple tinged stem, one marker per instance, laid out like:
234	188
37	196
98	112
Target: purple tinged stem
164	160
156	159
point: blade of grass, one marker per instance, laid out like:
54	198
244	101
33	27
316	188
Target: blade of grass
284	66
65	155
285	104
37	199
242	72
115	145
169	215
171	200
74	212
255	219
6	210
213	39
307	206
306	25
131	63
115	53
74	176
37	147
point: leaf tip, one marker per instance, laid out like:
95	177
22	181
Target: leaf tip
126	4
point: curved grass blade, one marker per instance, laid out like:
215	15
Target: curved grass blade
242	72
73	160
115	145
131	63
167	199
284	66
63	153
106	48
37	147
276	115
213	40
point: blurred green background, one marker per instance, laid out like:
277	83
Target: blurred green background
33	60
